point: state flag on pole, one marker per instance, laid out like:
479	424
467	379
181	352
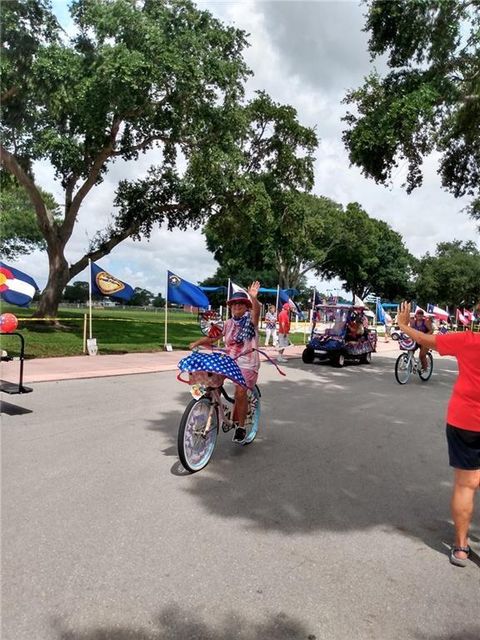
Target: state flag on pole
438	313
285	298
104	284
181	291
462	319
16	287
316	298
235	288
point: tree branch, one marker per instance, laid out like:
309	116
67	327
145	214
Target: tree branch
103	250
8	94
44	216
141	145
105	153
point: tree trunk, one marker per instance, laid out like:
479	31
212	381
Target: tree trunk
58	277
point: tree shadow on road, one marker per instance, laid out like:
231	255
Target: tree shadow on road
338	450
174	623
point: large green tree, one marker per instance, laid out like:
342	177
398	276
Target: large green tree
430	99
137	76
78	292
451	277
141	298
291	236
368	255
264	224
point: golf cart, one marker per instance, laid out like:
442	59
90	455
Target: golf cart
349	338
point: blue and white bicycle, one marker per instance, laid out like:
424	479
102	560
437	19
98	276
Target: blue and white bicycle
407	363
211	407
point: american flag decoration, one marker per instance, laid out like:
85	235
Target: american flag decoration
216	363
406	343
211	324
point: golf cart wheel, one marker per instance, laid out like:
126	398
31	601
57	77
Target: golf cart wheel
366	358
338	360
308	355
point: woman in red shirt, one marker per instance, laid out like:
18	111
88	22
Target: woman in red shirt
463	423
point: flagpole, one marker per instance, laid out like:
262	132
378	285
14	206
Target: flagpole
228	295
278	297
166	314
90	297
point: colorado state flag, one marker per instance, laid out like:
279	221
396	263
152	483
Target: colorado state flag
15	286
104	284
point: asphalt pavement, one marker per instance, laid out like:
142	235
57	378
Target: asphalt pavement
333	524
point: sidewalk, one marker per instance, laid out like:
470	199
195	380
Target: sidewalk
76	367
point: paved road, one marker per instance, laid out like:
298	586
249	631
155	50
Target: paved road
333	525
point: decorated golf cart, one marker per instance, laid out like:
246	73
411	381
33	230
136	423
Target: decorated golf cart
348	338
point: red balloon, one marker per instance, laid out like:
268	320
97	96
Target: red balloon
8	323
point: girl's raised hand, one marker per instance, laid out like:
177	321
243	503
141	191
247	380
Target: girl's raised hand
253	289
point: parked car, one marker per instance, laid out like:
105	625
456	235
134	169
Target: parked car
349	338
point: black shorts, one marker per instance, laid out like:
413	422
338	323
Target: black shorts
463	448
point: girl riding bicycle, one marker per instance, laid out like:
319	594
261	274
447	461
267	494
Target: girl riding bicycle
240	334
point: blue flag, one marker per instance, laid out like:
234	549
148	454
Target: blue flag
317	299
183	292
104	284
15	286
380	312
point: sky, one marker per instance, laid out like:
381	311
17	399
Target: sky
308	55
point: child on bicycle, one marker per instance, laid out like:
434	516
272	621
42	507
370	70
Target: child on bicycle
240	334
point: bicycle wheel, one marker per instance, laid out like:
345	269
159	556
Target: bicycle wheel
253	415
194	448
426	374
403	368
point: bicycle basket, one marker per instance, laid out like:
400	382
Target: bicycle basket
205	378
210	369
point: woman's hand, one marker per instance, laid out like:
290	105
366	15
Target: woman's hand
403	317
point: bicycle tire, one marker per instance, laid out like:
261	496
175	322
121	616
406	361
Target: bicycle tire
403	368
253	415
426	375
194	450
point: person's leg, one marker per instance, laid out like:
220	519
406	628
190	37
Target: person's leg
466	484
423	357
239	414
267	336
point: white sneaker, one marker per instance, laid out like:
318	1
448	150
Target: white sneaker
281	359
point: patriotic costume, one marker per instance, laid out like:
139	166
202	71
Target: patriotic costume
270	327
241	341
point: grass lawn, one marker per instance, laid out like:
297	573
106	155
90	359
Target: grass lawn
116	330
